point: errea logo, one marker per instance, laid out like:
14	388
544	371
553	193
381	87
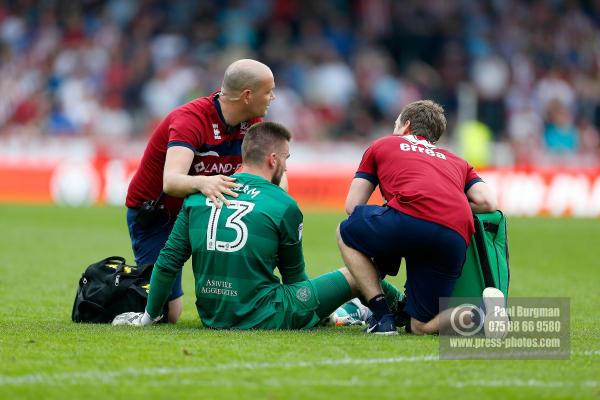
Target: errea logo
414	140
216	131
420	146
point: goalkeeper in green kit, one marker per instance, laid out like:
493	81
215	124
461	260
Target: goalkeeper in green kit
236	245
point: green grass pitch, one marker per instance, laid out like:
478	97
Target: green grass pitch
43	355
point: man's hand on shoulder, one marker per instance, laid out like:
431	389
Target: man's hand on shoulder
216	187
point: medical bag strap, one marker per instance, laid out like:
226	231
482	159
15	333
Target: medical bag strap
484	261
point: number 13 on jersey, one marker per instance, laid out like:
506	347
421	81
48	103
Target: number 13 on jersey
234	221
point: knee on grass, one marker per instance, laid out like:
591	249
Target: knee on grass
423	328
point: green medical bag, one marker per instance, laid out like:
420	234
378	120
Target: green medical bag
486	264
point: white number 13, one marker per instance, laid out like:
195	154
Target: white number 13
234	221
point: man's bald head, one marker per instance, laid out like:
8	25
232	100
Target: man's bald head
244	74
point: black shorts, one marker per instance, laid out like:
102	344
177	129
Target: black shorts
434	254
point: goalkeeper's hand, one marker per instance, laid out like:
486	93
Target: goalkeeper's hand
134	319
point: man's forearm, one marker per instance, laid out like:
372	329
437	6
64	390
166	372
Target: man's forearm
481	198
358	194
482	207
180	185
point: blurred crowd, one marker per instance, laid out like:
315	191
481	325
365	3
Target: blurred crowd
517	78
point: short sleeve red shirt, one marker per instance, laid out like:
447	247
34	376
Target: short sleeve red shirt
199	126
421	180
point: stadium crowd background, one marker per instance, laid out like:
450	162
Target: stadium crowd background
520	80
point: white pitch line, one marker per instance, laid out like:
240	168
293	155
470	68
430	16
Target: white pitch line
525	383
114	377
588	353
356	382
110	377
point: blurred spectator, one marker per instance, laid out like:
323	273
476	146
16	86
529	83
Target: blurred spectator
525	127
330	83
111	121
560	133
491	77
58	123
553	88
590	142
168	88
474	139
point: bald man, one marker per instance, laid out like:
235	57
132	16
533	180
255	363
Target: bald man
194	149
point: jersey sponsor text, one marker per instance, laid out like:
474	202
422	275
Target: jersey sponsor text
223	288
215	168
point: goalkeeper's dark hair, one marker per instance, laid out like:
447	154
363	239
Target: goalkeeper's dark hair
426	118
263	139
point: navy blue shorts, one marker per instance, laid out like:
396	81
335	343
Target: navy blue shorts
147	244
434	254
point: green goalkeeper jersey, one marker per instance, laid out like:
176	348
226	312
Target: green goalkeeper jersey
235	251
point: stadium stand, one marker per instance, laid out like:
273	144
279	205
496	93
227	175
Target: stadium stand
520	81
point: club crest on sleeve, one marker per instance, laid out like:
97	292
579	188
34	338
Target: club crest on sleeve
303	294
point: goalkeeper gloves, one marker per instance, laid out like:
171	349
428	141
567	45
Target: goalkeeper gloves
135	319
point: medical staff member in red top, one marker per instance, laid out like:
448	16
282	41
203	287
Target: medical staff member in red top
431	195
194	149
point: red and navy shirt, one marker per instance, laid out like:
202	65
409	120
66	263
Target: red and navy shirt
200	126
421	180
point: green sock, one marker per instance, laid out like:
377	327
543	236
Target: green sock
392	295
